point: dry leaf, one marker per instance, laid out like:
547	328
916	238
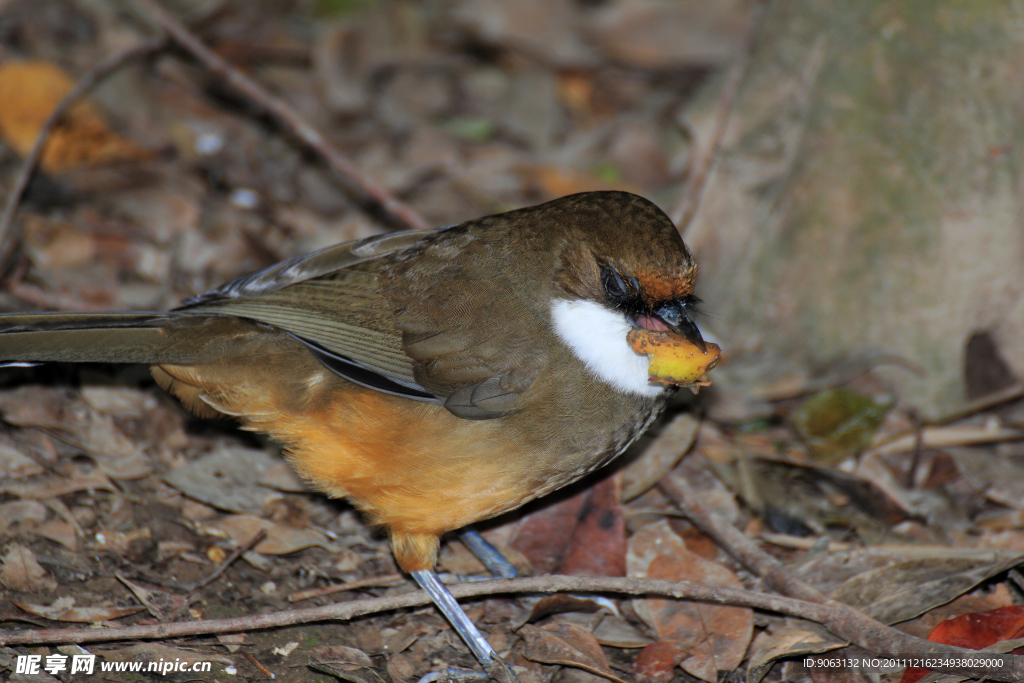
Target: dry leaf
232	642
26	513
63	609
161	604
30	91
614	631
128	404
907	589
23	573
228	479
14	464
59	531
712	638
785	639
568	645
560	603
542	536
597	545
346	663
658	661
557	182
660	456
280	539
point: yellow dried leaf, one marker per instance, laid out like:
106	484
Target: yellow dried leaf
30	91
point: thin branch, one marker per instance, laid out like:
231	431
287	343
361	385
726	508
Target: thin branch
397	212
843	620
230	560
840	620
685	211
735	543
8	235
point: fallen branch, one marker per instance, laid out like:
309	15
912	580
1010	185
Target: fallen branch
736	544
9	238
365	189
230	560
840	620
684	212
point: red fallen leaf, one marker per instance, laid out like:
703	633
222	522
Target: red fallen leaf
598	543
974	631
658	661
581	535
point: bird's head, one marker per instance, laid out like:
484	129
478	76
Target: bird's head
624	300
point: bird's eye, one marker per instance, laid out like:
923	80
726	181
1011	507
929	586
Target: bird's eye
614	286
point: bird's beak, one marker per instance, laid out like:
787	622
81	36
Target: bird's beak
679	321
678	354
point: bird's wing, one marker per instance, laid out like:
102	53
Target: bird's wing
330	301
301	268
476	334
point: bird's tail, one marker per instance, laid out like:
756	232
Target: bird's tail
119	337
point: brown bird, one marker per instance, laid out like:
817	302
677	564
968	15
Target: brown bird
432	379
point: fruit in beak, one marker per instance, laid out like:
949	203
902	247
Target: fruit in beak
674	359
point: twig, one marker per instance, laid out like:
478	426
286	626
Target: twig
982	403
840	620
844	621
255	662
915	460
8	237
372	582
735	543
684	212
235	554
397	211
1010	393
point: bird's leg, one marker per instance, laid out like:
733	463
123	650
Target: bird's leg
496	563
478	645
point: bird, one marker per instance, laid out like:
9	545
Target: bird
432	379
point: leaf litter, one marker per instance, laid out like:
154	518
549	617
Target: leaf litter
159	187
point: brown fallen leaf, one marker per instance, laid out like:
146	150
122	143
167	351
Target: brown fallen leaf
560	603
660	456
658	661
232	642
280	540
568	645
614	631
597	546
63	609
542	536
346	663
22	571
712	638
59	531
30	91
14	464
161	604
25	513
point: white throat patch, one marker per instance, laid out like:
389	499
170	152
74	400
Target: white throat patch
597	336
